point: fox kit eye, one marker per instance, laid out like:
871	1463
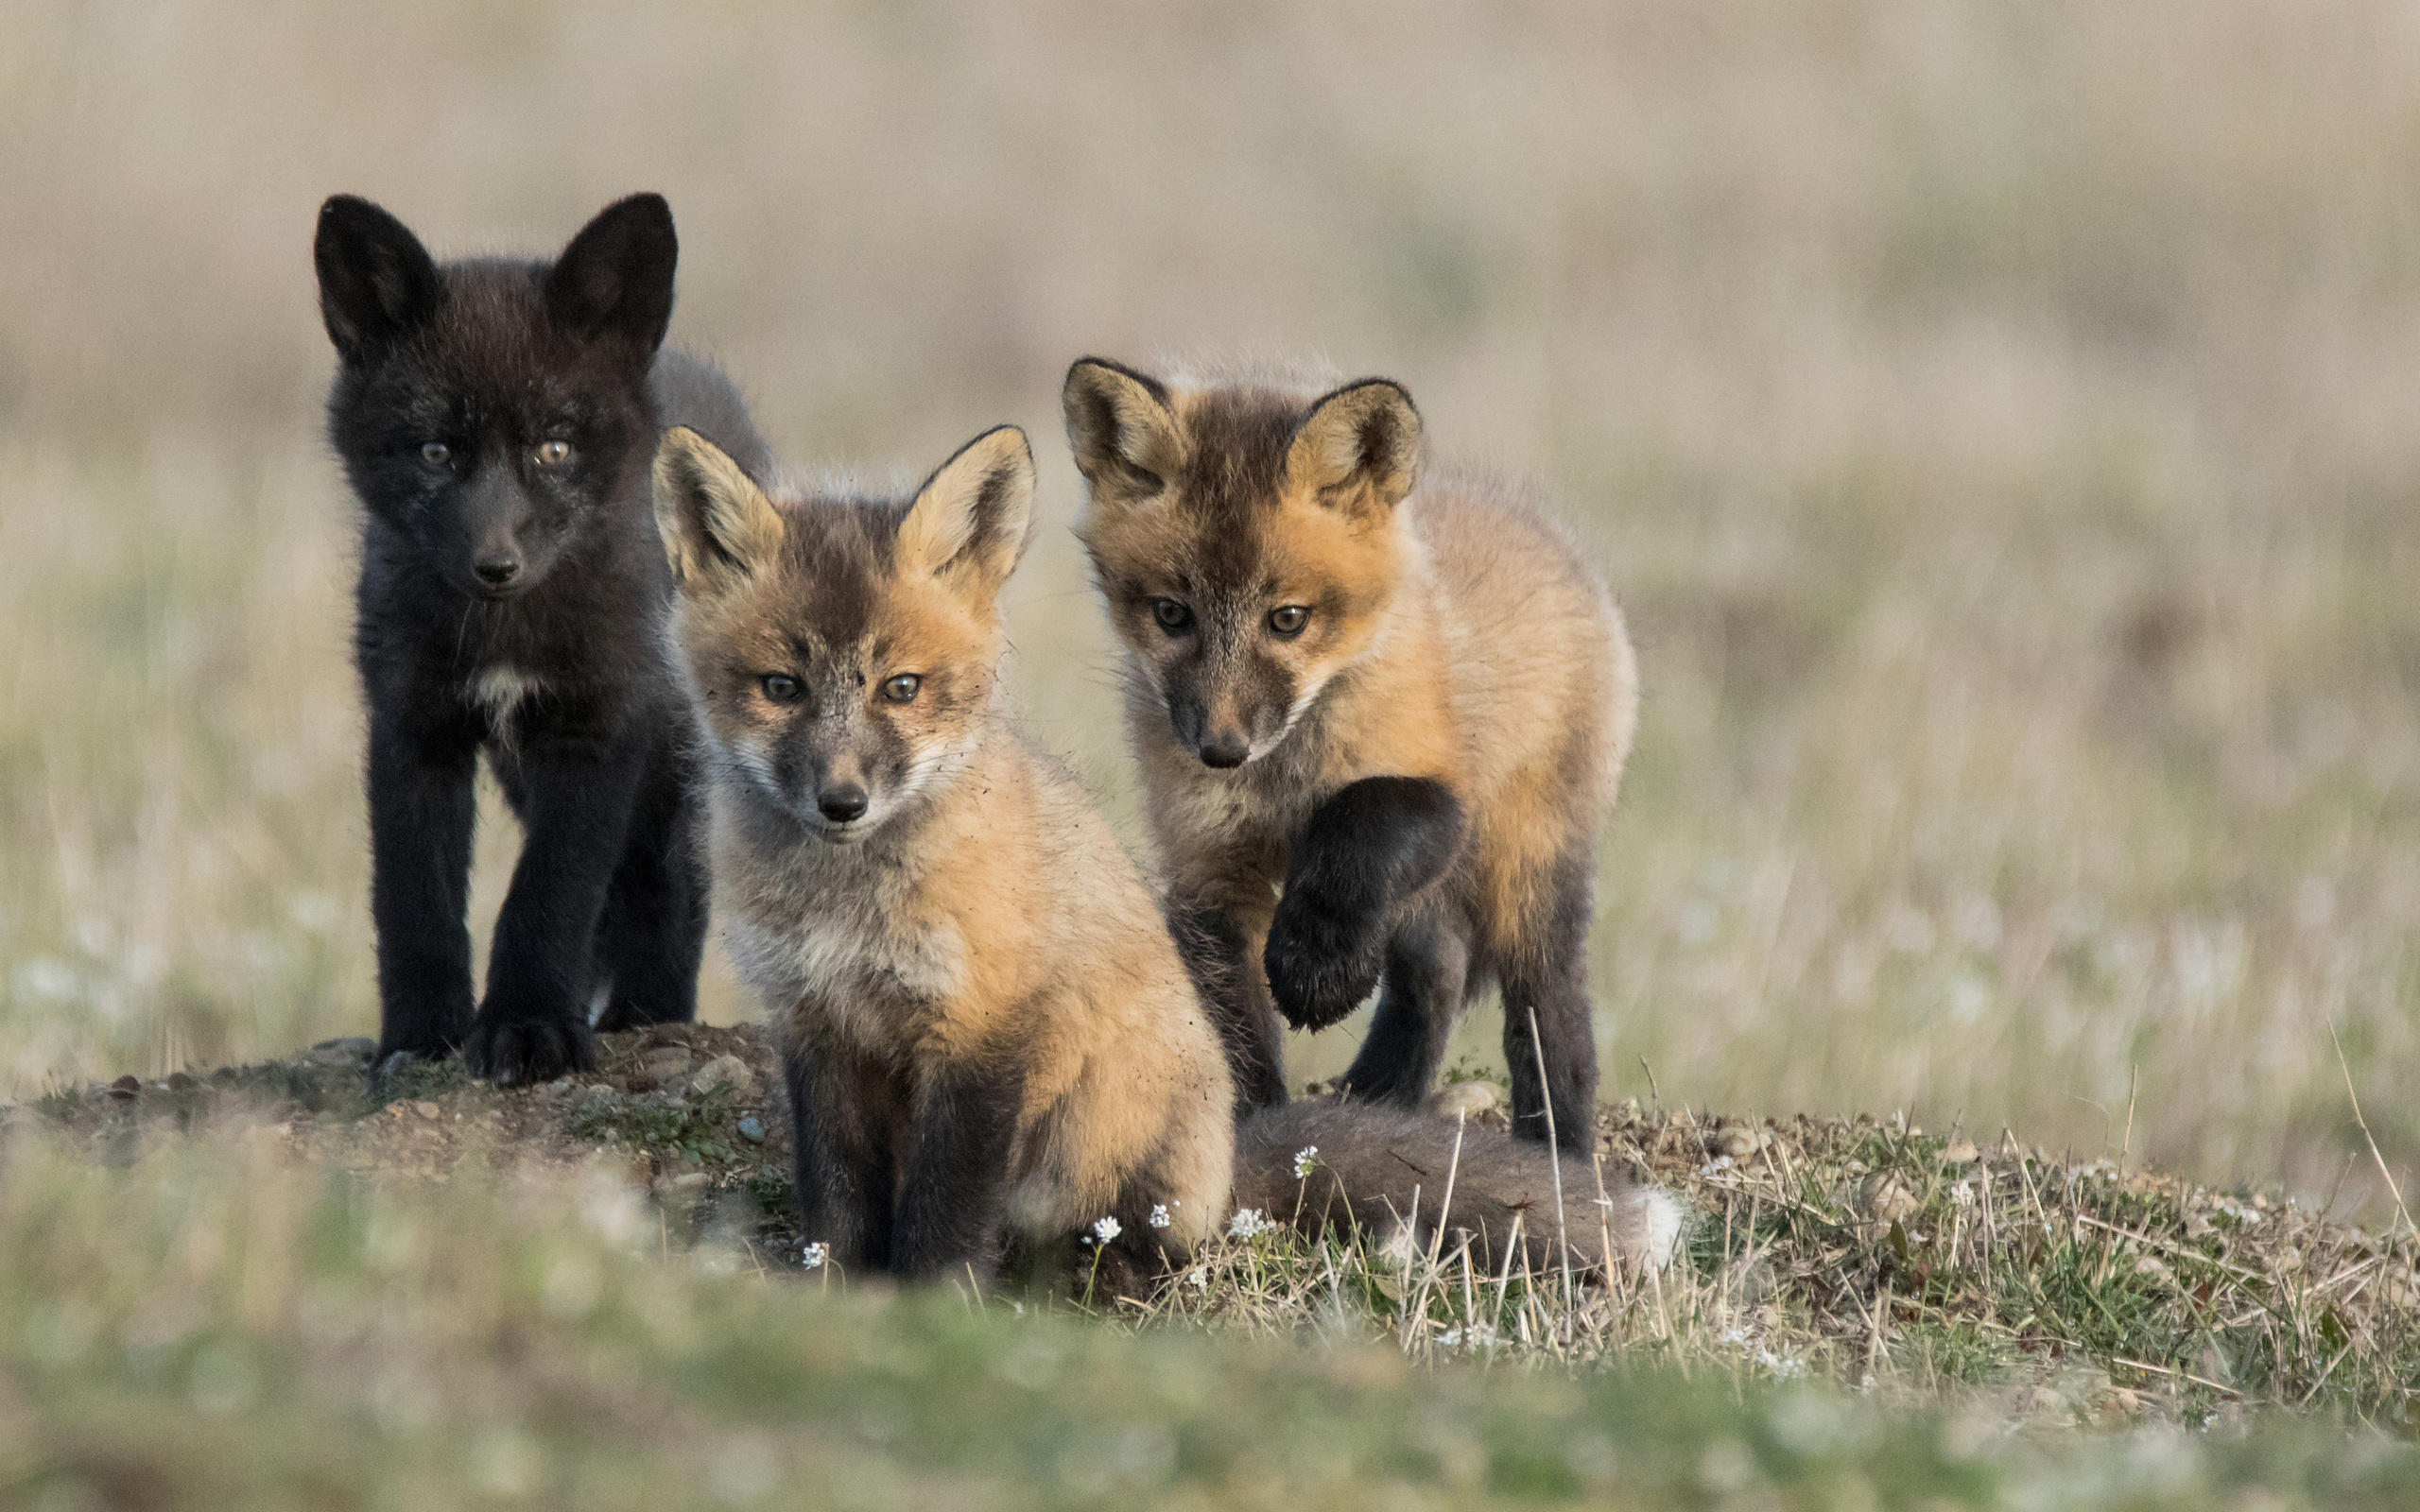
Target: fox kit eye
1174	617
901	689
1290	620
553	453
436	453
779	687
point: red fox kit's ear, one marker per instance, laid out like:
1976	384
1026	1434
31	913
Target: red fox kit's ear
971	518
717	525
1358	452
1124	435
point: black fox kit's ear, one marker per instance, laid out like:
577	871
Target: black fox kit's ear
971	517
717	525
1358	449
1124	434
614	281
376	282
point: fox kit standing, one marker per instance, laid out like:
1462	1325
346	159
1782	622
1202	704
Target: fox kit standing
1380	724
496	419
984	1023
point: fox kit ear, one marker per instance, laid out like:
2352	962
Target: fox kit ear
717	525
376	282
1124	434
614	281
971	518
1358	449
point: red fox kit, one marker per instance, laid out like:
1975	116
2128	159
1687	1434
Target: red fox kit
985	1026
1380	718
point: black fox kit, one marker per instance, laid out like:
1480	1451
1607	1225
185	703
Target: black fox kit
496	419
984	1024
1405	706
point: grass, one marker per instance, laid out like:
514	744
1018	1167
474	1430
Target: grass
211	1322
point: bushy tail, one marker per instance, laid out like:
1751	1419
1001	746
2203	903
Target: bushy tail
1369	1159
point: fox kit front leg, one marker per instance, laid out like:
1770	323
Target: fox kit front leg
575	800
1366	853
960	1135
420	817
1220	942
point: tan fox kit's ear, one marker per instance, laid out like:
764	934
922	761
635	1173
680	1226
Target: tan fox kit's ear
717	525
971	519
1358	452
1123	432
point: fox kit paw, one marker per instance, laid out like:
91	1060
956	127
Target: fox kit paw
518	1051
1322	963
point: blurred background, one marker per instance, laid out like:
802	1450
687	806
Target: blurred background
1999	422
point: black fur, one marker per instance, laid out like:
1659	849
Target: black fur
496	566
942	1214
1365	853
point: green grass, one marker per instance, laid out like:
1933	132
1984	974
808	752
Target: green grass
215	1327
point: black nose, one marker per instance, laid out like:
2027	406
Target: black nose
497	571
843	804
1224	751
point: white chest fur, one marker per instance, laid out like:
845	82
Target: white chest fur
870	979
501	691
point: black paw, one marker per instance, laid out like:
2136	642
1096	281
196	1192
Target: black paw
1321	962
517	1051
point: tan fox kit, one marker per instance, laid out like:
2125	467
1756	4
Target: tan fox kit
984	1023
1380	718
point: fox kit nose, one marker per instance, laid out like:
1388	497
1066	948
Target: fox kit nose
841	805
1225	749
497	571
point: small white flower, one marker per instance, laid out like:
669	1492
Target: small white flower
1106	1229
1477	1336
1307	1160
1199	1277
1248	1223
813	1255
1159	1214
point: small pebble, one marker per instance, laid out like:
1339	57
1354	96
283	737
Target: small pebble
1962	1153
751	1130
428	1109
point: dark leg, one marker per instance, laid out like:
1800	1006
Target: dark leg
951	1205
1365	853
842	1120
1548	974
1428	964
1222	952
420	816
575	803
653	929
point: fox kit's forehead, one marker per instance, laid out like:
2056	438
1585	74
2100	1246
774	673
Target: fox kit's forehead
489	354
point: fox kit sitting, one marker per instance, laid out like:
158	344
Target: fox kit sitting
496	419
985	1026
1380	718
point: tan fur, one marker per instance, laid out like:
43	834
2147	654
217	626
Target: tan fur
1469	643
992	915
1398	1177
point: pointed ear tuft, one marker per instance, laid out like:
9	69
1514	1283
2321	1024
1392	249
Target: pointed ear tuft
614	283
1123	431
1358	449
971	519
377	284
718	526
